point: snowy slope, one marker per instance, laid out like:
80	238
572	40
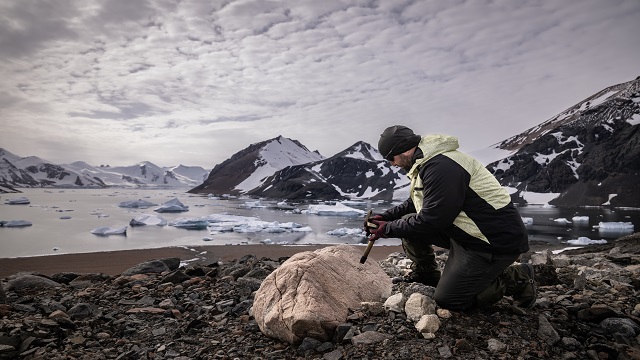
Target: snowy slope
31	171
276	155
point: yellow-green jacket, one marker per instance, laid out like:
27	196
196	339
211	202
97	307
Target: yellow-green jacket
454	196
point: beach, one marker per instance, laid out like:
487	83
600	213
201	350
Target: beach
116	262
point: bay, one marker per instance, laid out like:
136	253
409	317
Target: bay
63	219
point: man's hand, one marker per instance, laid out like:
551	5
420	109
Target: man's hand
369	226
378	232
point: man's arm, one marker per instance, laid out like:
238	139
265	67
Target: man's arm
399	211
445	184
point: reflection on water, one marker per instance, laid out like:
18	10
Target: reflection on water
63	219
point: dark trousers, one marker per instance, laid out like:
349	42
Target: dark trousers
473	278
469	278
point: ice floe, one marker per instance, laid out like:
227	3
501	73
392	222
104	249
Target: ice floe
190	224
335	210
562	221
341	232
18	201
585	241
16	223
527	220
148	219
142	204
109	230
173	205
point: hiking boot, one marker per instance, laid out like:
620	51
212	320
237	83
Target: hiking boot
527	297
426	279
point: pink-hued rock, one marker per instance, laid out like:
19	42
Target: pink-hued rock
312	292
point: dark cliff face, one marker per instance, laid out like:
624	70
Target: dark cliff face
586	154
227	175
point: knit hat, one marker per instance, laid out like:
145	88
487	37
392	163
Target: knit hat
396	140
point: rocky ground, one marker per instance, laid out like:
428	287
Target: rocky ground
587	308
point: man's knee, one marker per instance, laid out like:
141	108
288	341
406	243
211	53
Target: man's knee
453	302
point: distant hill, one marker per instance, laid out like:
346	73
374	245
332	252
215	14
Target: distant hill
31	171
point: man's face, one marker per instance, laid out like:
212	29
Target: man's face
403	160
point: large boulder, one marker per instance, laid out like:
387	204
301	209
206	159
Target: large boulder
311	293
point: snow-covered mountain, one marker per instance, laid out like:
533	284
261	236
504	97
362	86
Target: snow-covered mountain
248	168
285	169
358	172
16	172
588	154
32	171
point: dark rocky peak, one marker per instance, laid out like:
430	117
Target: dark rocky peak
623	93
360	150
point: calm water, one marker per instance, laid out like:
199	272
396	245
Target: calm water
89	209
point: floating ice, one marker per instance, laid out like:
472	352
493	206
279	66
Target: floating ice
615	226
283	205
562	221
219	223
580	219
347	232
337	209
173	205
585	241
527	220
107	230
136	204
18	201
16	223
190	224
354	203
253	205
148	219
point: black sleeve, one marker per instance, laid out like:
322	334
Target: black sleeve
445	184
399	211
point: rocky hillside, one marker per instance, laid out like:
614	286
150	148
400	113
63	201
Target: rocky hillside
587	308
589	154
356	172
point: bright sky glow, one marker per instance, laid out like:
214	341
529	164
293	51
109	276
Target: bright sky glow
193	82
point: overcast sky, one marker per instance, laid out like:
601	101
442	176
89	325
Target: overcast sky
122	81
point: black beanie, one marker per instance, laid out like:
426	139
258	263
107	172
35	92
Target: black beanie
396	140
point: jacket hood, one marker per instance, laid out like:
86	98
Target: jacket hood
432	145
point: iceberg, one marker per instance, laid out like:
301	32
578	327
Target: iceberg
173	205
107	230
148	219
354	203
190	224
615	226
562	221
333	210
527	220
585	241
15	223
253	205
220	223
18	201
580	219
136	204
341	232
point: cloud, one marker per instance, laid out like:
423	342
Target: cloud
187	75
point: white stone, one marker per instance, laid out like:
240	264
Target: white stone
395	303
418	305
428	324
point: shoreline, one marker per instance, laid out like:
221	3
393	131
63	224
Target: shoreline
116	262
